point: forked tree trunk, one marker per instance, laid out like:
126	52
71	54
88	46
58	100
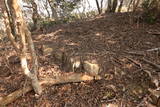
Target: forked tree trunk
112	5
25	35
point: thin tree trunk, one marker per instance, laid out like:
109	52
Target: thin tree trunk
9	32
35	15
24	32
136	5
129	5
89	4
101	6
120	6
53	9
46	7
99	10
114	6
109	7
9	18
13	25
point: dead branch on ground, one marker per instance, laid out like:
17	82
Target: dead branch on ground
135	62
151	63
67	78
154	49
153	33
135	53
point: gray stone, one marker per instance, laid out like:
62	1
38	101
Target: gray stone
92	68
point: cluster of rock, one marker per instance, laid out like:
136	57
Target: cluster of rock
74	62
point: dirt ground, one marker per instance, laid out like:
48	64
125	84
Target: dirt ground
117	41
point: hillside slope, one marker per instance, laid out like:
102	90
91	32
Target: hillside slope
117	44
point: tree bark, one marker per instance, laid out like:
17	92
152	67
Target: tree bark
35	15
101	6
12	23
9	32
109	7
135	5
25	34
114	6
53	9
98	7
129	5
46	7
120	6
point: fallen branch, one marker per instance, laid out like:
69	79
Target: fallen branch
67	78
13	96
154	78
151	63
135	62
154	49
154	33
135	53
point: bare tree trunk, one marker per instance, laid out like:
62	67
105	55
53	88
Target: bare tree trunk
24	32
35	15
114	6
46	7
53	8
129	5
99	10
135	5
120	6
88	4
101	6
11	20
109	7
9	32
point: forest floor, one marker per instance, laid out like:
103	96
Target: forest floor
119	44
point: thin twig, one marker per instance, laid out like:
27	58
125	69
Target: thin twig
153	33
151	63
135	62
154	49
135	53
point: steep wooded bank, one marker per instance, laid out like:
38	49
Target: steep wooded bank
126	55
111	59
